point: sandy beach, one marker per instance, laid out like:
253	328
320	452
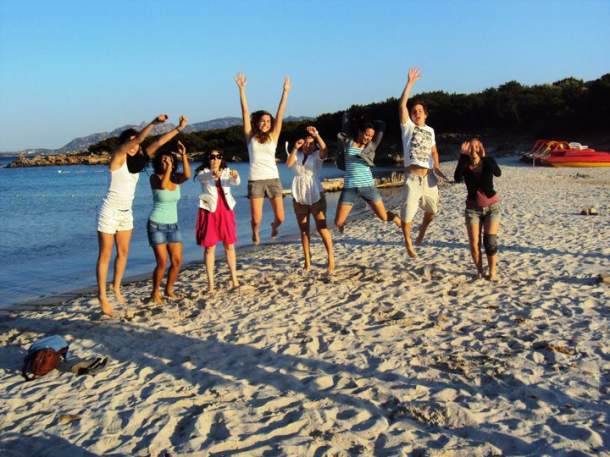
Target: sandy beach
393	356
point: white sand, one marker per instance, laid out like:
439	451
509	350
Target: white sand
396	357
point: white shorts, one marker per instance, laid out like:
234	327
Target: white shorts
111	220
419	191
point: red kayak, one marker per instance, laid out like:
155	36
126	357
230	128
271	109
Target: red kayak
557	153
577	158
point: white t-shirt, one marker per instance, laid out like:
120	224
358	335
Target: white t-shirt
306	187
417	144
262	160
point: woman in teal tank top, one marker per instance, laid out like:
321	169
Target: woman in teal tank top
163	232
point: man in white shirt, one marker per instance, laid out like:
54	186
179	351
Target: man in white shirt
420	157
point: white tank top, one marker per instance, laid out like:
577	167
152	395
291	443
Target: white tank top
262	160
122	188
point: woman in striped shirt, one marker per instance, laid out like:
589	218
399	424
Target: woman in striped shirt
358	180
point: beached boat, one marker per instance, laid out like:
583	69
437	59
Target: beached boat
557	153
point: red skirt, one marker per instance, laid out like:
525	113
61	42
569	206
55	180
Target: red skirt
217	226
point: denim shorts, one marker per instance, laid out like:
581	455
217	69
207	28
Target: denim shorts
368	194
163	233
477	216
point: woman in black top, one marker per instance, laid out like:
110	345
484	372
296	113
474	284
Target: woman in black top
482	203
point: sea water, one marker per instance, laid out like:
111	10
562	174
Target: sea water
48	241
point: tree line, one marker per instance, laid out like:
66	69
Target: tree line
563	108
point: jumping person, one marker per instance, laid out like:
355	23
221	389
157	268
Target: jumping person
308	197
421	165
216	219
262	132
482	203
115	218
356	158
163	231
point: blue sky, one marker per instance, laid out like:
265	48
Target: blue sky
72	68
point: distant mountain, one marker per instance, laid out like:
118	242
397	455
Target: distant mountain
79	144
221	123
83	142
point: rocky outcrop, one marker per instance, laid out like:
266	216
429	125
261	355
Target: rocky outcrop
60	159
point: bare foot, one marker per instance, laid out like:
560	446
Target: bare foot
256	238
307	267
119	296
106	308
274	229
171	294
157	298
331	266
493	277
410	249
340	228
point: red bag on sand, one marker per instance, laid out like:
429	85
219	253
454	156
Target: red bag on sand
41	362
483	201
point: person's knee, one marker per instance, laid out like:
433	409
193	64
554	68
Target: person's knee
176	261
321	225
122	252
491	244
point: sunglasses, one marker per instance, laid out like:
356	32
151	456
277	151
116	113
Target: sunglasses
215	156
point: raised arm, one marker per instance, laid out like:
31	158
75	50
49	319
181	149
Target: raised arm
379	132
463	162
292	157
279	116
316	136
186	166
403	111
152	149
240	80
166	179
119	154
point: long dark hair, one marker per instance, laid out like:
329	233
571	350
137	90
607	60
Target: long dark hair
157	164
255	117
206	161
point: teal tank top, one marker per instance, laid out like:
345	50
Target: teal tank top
165	206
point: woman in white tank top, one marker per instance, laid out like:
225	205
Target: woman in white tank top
262	133
115	219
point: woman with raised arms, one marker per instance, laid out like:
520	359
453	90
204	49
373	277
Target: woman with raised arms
115	217
163	233
262	132
308	197
356	156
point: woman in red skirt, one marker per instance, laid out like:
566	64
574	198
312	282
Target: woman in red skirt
216	219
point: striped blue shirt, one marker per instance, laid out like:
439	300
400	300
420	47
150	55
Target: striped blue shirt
357	172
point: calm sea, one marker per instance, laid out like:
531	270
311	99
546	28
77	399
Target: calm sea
49	240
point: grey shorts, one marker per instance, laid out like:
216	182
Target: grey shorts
419	191
477	216
262	188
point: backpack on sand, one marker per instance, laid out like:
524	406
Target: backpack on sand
44	356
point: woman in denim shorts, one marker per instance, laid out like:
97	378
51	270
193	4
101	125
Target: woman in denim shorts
357	157
163	233
482	203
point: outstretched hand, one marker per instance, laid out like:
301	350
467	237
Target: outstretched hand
181	148
287	84
312	131
299	143
183	122
167	162
465	148
240	80
160	119
414	74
